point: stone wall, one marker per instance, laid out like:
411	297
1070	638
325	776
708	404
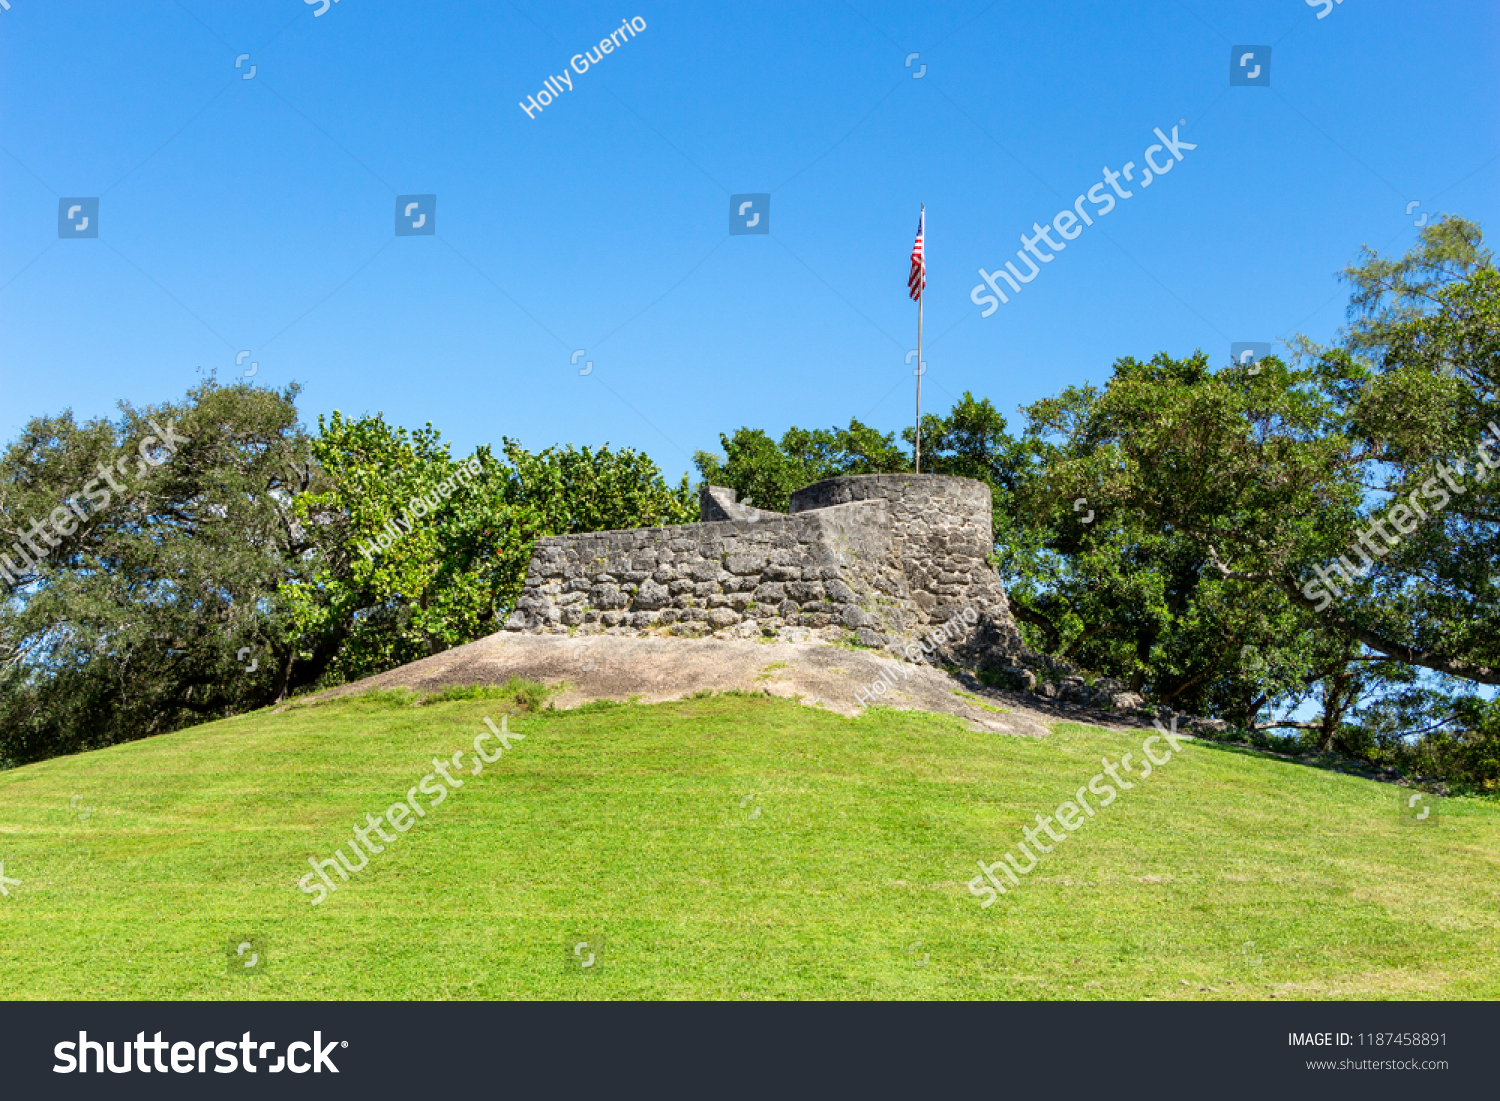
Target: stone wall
881	559
941	530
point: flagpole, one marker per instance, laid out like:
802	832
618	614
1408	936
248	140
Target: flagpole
920	298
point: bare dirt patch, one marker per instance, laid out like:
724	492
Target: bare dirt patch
655	669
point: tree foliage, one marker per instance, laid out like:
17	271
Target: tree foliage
138	621
765	473
241	560
401	579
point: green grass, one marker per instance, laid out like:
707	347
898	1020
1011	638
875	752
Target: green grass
981	704
725	847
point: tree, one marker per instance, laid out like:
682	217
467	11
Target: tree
409	560
1287	479
197	559
767	473
567	490
157	543
420	553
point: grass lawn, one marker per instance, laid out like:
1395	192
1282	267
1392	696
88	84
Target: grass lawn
724	847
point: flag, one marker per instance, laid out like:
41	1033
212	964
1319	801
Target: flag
917	280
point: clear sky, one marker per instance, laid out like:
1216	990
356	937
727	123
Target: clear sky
257	213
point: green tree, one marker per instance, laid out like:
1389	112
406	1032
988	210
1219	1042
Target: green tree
569	490
411	558
155	606
766	473
1278	474
399	580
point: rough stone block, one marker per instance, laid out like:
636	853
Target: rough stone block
652	595
719	618
804	591
608	597
838	592
743	563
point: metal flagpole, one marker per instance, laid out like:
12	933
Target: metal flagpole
921	295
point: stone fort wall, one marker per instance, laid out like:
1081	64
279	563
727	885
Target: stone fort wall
879	558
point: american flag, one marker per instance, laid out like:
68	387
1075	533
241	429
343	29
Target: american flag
917	280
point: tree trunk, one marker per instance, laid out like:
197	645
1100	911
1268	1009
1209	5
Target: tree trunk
284	674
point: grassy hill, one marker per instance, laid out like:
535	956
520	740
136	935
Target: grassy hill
724	847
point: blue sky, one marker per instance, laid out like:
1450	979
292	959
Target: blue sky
258	214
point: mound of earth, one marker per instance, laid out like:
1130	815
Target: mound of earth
656	669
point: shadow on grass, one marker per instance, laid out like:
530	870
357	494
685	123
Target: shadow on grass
1324	762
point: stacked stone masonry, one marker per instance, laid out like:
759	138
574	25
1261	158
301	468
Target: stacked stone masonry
883	559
